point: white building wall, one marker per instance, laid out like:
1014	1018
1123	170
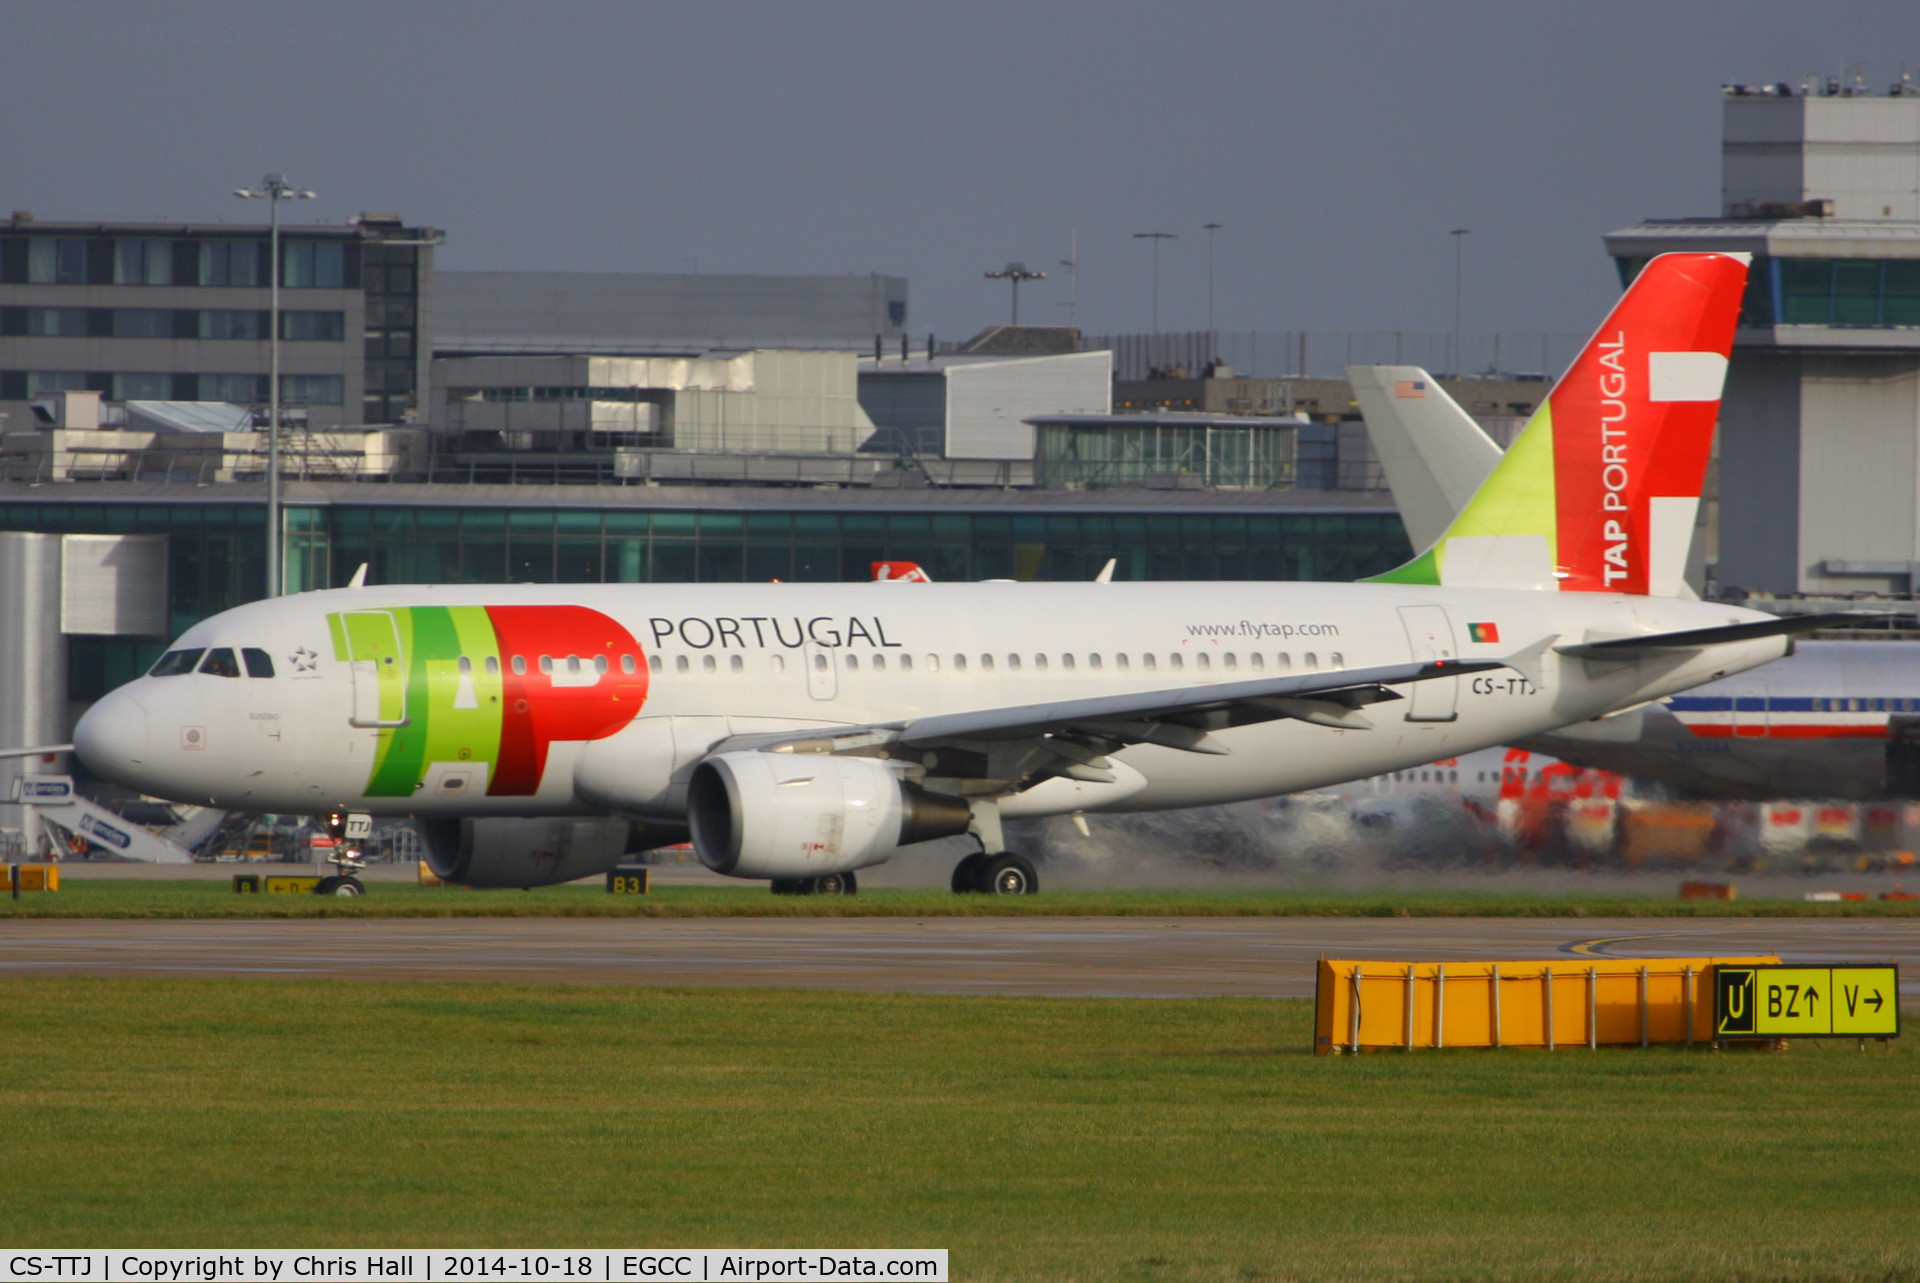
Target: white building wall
1859	468
988	403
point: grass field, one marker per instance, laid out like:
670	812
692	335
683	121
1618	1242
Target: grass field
135	898
1035	1138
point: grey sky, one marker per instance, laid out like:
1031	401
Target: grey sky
1337	142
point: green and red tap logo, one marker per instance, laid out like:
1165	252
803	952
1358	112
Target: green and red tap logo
484	691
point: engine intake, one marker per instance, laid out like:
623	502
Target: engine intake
788	815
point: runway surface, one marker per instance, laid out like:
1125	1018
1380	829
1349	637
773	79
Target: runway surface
1114	957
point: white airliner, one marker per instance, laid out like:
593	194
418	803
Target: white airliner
804	731
1837	719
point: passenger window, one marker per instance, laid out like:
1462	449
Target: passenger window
906	663
519	664
260	664
853	663
1283	661
1230	660
573	663
959	663
879	664
626	663
779	663
986	663
933	663
1148	662
1176	661
1336	660
1256	660
680	664
819	662
1066	661
465	666
600	663
736	663
493	666
1203	660
1040	662
1093	661
707	664
653	663
1013	663
220	663
1120	662
176	662
546	665
1310	662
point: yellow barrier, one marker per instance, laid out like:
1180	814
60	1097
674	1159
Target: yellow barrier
33	877
1369	1006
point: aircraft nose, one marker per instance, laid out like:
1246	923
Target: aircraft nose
112	738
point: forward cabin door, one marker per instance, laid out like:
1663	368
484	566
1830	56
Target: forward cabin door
1429	638
379	672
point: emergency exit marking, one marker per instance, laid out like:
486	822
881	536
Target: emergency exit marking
1806	1002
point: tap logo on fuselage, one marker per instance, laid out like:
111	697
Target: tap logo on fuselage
484	688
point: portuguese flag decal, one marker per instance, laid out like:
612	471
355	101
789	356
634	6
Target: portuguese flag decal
1483	632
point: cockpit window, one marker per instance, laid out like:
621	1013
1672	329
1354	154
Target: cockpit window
176	662
220	663
259	663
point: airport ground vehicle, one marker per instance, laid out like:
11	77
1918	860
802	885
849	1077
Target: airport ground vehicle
803	731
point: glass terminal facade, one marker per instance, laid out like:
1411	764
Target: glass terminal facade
216	551
1836	292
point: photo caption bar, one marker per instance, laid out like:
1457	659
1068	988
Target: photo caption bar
446	1265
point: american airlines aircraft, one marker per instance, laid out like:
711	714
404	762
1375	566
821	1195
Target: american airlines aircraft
1832	719
800	732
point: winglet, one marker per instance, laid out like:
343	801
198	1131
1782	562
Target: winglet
1106	572
359	579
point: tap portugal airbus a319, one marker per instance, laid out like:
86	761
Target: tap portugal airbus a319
799	732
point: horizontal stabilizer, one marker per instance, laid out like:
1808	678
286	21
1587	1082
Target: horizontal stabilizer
1625	650
44	750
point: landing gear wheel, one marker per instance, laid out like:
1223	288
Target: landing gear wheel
835	884
966	874
1008	874
346	887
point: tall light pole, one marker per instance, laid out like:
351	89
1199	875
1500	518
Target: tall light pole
1459	235
1156	238
1072	263
1016	272
273	189
1210	229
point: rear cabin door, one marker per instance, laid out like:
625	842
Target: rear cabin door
379	671
1430	637
1750	714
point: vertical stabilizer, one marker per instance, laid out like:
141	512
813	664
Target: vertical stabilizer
1599	492
1435	456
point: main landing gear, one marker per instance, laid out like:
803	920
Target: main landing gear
826	884
1001	874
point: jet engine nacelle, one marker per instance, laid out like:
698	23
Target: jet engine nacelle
800	815
532	852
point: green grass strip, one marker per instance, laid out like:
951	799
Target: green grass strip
1036	1138
137	898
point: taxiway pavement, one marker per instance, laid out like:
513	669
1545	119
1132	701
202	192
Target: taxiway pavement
1112	957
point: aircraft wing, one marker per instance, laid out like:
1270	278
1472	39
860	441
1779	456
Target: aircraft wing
1071	737
1625	650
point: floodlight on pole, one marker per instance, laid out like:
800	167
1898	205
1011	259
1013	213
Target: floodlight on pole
1210	229
273	189
1459	235
1156	238
1016	272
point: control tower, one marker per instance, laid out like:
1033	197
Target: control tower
1819	448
